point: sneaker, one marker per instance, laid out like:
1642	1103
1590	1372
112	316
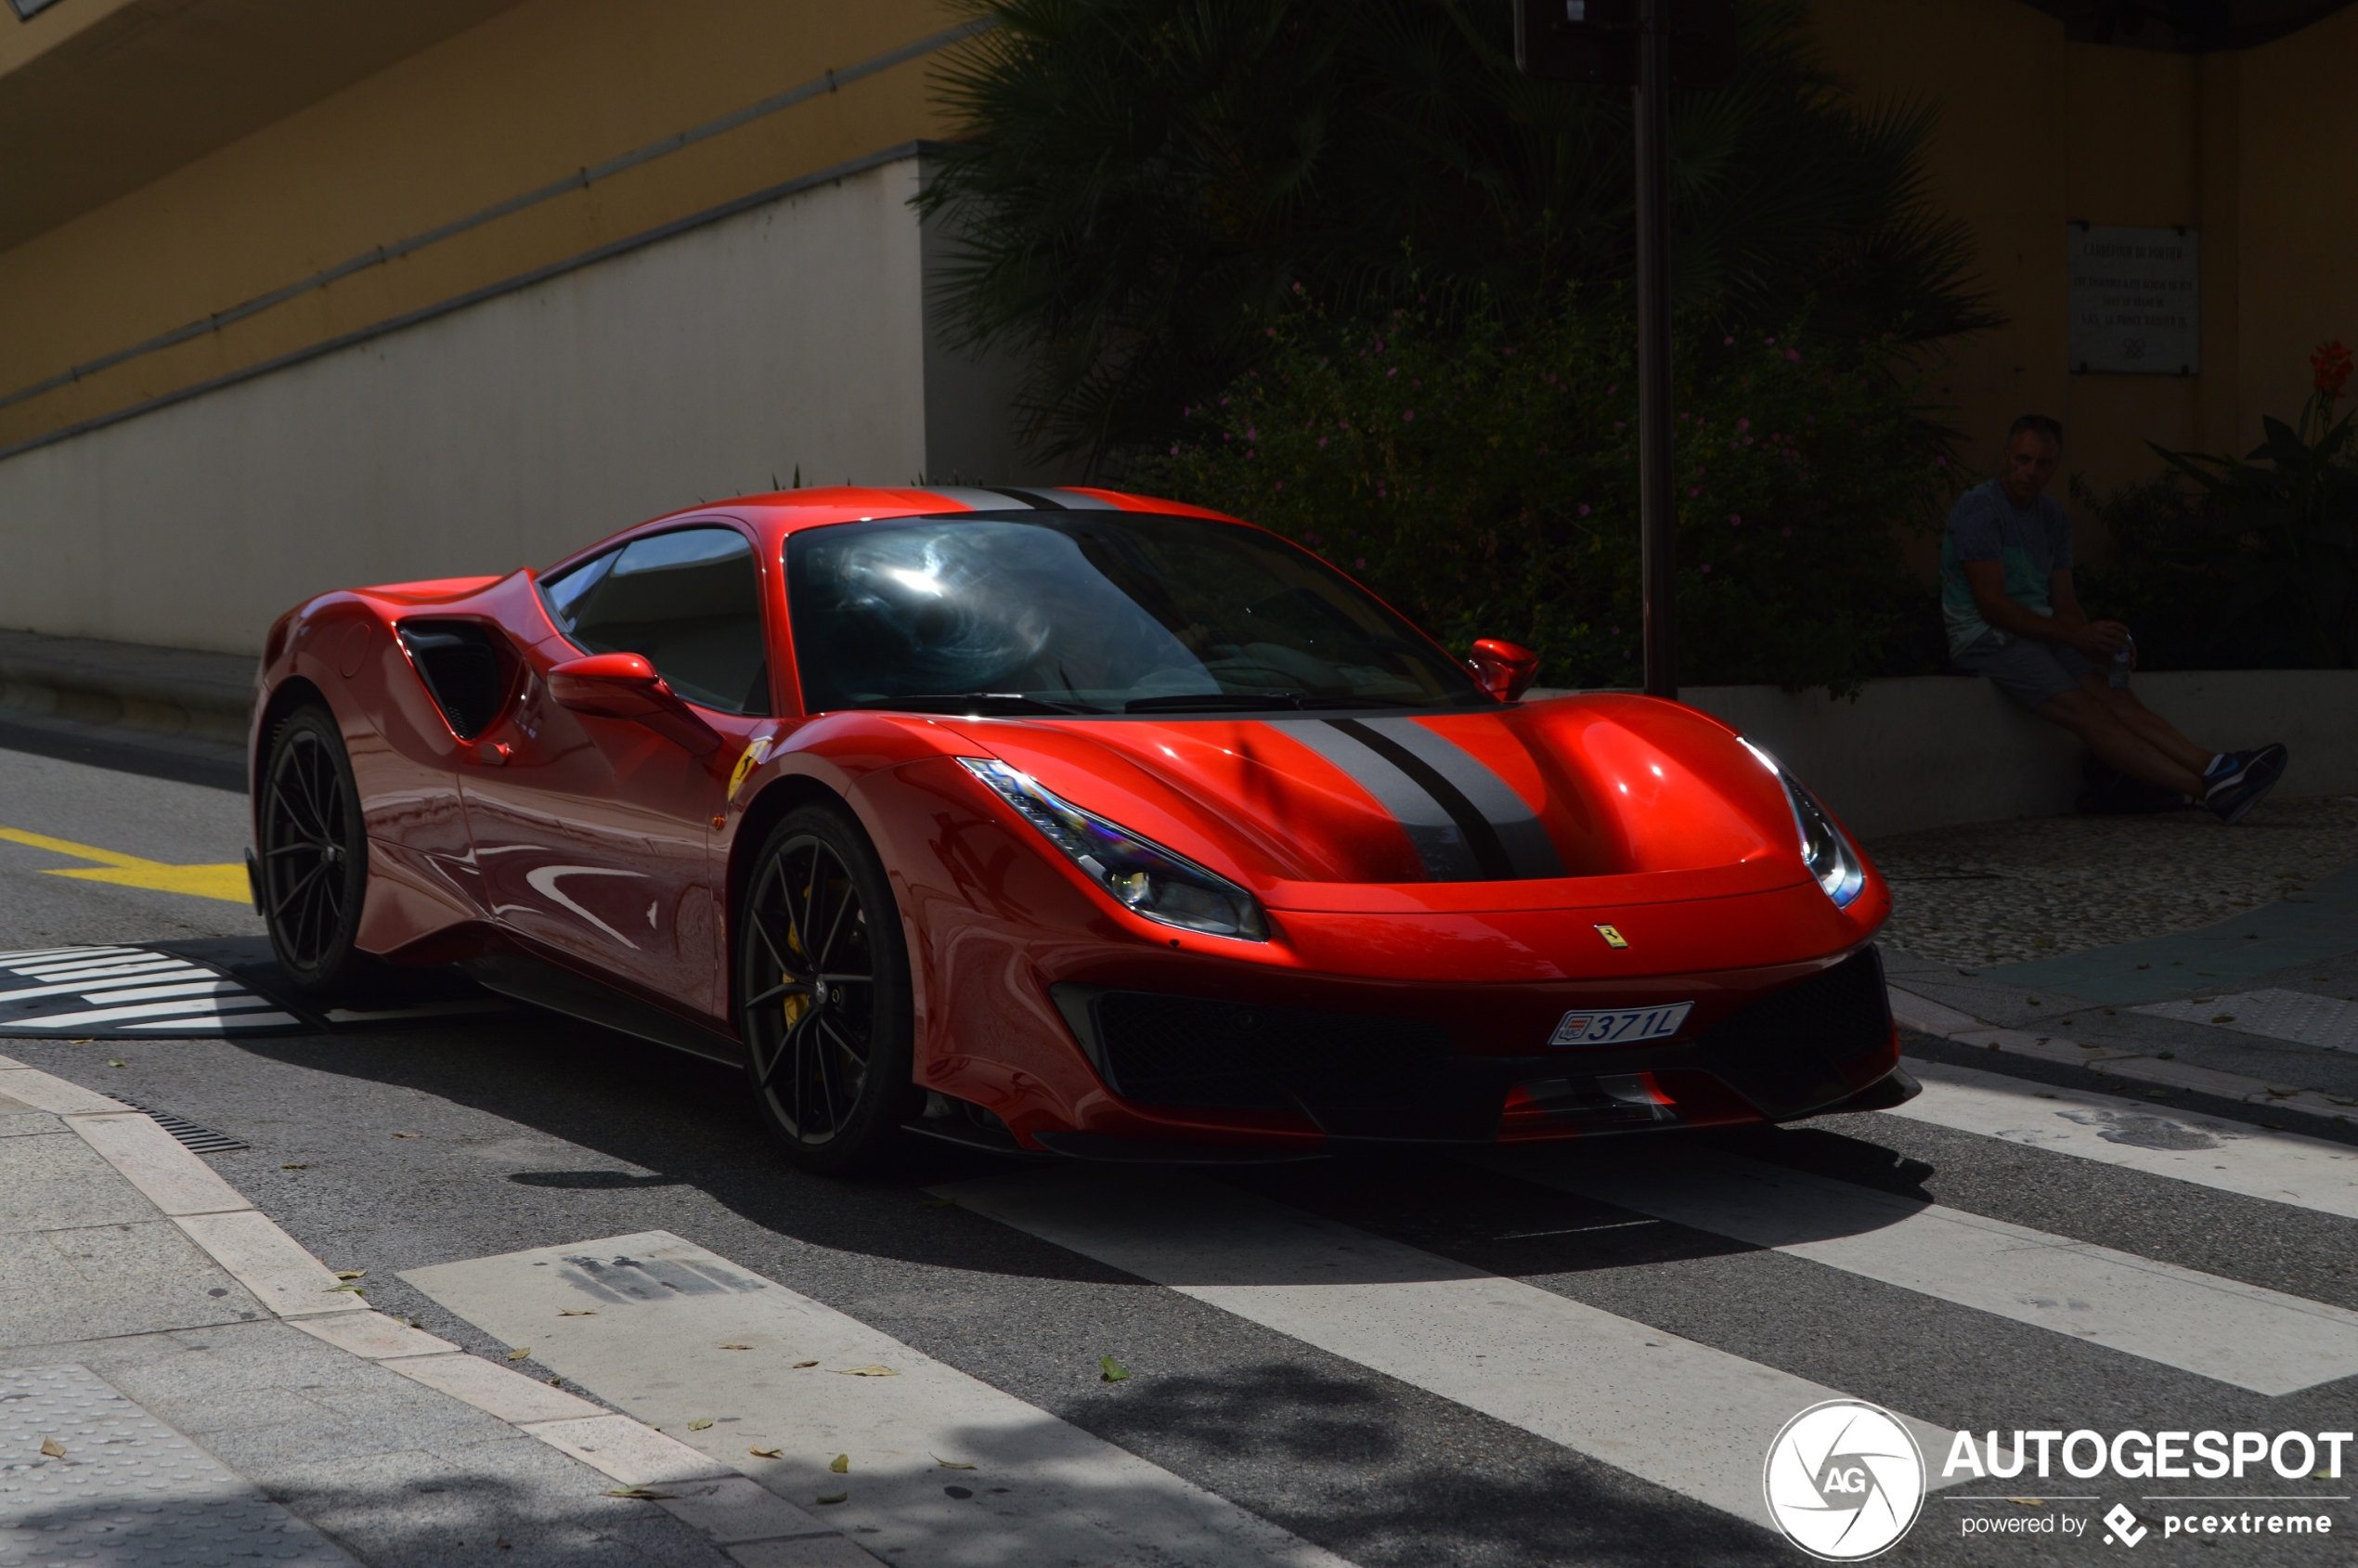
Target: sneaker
2231	792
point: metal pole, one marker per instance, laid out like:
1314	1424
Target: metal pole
1657	504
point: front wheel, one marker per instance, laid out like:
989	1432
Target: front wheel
823	994
314	854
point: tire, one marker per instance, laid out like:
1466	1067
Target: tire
822	995
314	854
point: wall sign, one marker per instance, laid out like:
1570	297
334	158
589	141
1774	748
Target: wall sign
2136	299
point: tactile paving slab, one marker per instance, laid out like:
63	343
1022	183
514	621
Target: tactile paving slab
128	1490
2330	1022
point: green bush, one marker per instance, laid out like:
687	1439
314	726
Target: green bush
1482	477
2250	563
1135	186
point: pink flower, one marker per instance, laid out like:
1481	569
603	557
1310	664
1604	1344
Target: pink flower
1322	441
1620	425
1360	564
1792	353
1393	371
1786	532
1744	424
1735	520
1406	414
1770	341
1727	342
1313	537
1694	493
1942	461
1706	569
1583	509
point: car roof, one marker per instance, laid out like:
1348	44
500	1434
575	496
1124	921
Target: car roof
780	512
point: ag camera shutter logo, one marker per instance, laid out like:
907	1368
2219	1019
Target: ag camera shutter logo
1844	1480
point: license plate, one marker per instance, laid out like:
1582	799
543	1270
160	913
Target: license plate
1620	1027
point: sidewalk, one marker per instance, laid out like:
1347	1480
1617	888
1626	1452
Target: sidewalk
171	713
179	1377
2164	950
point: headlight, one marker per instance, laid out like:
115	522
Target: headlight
1141	876
1823	849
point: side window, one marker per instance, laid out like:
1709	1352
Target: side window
688	601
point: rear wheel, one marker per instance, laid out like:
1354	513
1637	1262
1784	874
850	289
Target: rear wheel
314	852
823	996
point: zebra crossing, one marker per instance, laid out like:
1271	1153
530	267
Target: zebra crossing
1576	1295
128	992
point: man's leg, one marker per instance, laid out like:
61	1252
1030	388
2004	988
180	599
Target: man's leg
2094	720
2143	723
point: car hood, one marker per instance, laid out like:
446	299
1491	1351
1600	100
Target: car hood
1489	809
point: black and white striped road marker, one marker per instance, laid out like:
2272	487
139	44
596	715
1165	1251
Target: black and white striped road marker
128	993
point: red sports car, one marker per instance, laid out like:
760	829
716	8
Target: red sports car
1059	820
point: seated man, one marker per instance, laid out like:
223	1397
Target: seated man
2006	593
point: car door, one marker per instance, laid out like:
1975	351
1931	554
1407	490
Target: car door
594	834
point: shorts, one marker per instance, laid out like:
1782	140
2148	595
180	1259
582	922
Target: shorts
2032	673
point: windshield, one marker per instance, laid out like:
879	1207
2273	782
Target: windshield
1094	612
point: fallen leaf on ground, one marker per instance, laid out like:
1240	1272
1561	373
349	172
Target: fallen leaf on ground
578	1312
649	1493
118	1064
863	1371
833	1498
1110	1371
736	1347
352	1274
800	1365
350	1289
767	1452
698	1424
519	1353
840	1464
294	1167
555	1382
501	1542
949	1464
54	1448
408	1135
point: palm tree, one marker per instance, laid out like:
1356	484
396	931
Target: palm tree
1140	184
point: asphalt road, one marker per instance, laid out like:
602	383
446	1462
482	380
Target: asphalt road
2066	1291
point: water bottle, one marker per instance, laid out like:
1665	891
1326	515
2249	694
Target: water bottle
2124	657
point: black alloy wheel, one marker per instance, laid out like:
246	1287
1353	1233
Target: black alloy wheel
314	854
823	994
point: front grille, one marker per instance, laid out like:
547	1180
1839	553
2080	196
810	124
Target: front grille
1188	1052
1782	1051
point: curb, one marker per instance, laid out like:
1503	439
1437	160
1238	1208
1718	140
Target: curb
166	690
1930	1018
745	1520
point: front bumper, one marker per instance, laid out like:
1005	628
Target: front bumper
1179	1066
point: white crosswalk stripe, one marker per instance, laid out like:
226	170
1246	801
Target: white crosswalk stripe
1603	1385
2242	1334
2229	1156
1686	1416
663	1316
122	990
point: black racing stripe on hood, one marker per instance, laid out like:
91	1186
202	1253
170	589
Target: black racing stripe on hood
1033	499
1483	839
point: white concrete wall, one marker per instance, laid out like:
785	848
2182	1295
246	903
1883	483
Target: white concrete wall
511	431
1939	749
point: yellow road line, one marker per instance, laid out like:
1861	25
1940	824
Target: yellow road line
224	882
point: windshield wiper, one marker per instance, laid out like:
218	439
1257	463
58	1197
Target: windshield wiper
1208	702
981	702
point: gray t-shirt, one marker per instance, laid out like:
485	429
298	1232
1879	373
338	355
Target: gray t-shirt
2034	542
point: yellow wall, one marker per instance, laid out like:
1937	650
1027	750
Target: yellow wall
522	99
2036	132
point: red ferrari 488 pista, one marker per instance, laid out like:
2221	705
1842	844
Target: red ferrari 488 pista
1059	820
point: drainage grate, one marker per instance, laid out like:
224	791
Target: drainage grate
202	1140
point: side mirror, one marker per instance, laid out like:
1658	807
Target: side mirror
626	686
1505	669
